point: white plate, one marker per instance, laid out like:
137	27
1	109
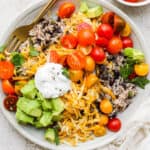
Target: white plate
136	4
36	135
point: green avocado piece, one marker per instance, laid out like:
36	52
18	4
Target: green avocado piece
23	118
46	105
94	12
83	7
29	90
50	134
56	117
40	96
46	119
30	107
57	106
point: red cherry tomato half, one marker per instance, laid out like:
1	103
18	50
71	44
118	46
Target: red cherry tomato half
108	18
115	45
114	124
76	60
127	42
66	10
7	87
132	76
105	30
69	41
131	0
6	69
83	26
10	102
98	54
102	42
86	37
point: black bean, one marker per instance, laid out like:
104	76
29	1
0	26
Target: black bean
113	114
111	82
116	74
58	19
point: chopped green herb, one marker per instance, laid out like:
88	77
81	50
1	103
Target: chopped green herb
126	70
56	136
33	52
2	48
65	72
17	59
140	81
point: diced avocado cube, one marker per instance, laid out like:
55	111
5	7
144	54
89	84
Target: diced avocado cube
57	105
36	112
46	105
29	90
30	107
46	119
94	12
50	135
37	124
40	96
56	117
83	7
23	118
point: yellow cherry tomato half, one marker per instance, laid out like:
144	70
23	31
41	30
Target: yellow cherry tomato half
141	69
91	80
126	31
99	130
103	120
75	75
89	64
106	106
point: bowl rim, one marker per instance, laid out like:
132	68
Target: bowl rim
21	131
137	4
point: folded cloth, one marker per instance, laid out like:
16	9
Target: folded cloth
136	134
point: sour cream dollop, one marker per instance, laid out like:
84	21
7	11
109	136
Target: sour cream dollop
50	81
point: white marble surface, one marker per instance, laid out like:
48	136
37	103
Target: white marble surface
9	138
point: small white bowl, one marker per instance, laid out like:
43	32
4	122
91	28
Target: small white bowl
134	4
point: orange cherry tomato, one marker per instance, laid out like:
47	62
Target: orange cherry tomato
6	69
103	120
76	60
66	10
7	87
89	64
54	56
99	130
86	37
75	75
141	69
115	45
63	60
106	106
69	41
